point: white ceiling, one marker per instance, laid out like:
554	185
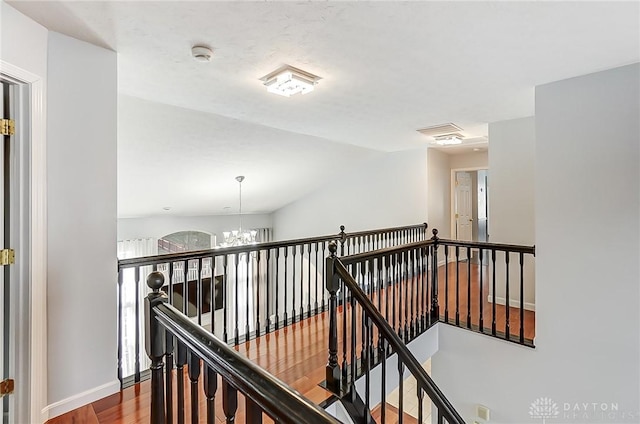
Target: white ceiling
387	68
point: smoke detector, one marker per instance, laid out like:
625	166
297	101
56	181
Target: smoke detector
202	53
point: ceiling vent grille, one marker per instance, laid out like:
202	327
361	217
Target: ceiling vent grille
440	130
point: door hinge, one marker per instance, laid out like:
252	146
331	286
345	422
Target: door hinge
7	126
456	216
7	257
6	387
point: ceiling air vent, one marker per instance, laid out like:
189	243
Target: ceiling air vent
439	130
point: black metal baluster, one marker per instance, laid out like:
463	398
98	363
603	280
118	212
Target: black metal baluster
380	283
446	283
393	290
352	380
413	291
237	285
344	330
457	285
435	308
308	280
493	299
521	297
323	276
169	374
225	290
247	294
267	299
507	298
407	282
362	266
257	285
420	397
316	284
468	287
199	289
210	388
229	402
254	413
369	359
419	288
136	375
400	392
293	285
481	295
387	285
383	397
301	282
277	295
181	360
212	297
194	376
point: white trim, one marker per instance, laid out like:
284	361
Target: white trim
81	399
37	245
514	303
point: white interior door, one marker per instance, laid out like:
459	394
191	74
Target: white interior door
464	207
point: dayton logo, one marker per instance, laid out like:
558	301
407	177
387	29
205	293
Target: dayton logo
544	408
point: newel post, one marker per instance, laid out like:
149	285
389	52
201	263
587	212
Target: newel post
333	284
435	308
155	344
343	238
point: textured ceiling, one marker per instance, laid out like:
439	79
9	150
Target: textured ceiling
387	68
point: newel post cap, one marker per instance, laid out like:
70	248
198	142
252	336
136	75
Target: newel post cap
333	248
155	281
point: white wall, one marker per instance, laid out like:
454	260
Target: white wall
587	184
470	160
439	192
511	202
81	173
386	191
159	226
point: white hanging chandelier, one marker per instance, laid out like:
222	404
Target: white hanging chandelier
239	237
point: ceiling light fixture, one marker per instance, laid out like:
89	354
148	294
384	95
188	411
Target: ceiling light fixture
239	237
448	140
202	53
288	81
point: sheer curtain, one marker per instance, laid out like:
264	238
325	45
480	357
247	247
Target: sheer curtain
128	295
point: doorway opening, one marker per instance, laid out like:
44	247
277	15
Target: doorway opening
470	205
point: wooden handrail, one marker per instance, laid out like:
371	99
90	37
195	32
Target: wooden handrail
272	395
198	254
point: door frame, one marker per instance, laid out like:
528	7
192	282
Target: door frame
30	225
452	196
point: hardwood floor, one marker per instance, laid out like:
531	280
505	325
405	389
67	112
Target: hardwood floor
297	355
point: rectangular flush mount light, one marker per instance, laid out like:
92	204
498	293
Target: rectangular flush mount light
288	81
448	140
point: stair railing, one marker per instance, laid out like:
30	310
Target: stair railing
379	340
204	354
239	293
414	286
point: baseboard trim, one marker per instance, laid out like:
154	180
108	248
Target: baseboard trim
81	399
514	303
